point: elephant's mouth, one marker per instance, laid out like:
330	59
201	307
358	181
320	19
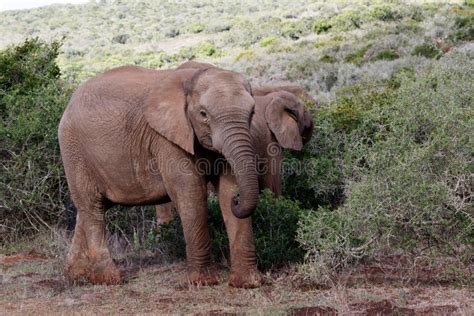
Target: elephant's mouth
206	141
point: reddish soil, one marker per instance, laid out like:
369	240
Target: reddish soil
29	256
314	310
32	283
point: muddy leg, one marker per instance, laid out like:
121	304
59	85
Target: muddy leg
89	257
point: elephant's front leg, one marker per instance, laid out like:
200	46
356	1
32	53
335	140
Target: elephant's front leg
244	272
188	192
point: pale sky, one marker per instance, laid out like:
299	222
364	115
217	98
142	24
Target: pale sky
27	4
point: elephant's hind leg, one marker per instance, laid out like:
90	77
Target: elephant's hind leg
164	213
89	257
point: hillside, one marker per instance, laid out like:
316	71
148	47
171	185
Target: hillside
335	44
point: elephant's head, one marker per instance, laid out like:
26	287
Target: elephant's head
287	118
299	91
214	107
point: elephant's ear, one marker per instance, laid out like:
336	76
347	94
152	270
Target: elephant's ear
282	118
165	111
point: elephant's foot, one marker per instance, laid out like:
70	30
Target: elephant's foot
93	270
246	278
204	276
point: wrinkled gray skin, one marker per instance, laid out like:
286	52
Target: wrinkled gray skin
280	121
132	136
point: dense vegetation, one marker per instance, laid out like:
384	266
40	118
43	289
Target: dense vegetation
32	98
388	168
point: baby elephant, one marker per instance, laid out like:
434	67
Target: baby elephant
280	121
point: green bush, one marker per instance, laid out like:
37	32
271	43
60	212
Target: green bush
219	26
386	55
336	40
344	21
427	50
268	41
274	226
296	29
246	54
274	222
406	170
205	49
121	39
383	13
243	34
463	29
322	26
315	176
357	57
328	59
32	99
28	66
197	28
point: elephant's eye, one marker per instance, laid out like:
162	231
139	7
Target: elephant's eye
292	115
203	114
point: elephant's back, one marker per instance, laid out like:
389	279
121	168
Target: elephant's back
122	86
110	96
97	111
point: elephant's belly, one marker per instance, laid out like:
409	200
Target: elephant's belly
136	187
138	193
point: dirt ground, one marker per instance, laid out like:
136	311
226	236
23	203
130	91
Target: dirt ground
32	283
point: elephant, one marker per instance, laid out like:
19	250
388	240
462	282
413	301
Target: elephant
132	136
280	121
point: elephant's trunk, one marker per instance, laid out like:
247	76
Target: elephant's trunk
239	152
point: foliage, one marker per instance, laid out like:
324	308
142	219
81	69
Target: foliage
427	50
406	172
28	66
346	20
463	29
328	59
32	98
383	13
386	55
274	225
322	26
357	57
246	54
268	41
120	39
295	30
